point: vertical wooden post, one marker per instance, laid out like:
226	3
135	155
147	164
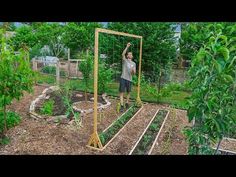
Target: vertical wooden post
76	67
35	67
94	139
138	101
68	63
58	73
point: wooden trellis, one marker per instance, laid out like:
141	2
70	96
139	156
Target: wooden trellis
94	140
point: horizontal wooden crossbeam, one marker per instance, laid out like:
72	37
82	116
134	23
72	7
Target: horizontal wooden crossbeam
101	30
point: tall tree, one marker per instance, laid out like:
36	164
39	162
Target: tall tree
212	79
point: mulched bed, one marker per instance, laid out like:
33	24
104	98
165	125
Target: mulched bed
228	144
85	105
106	136
171	140
59	106
144	145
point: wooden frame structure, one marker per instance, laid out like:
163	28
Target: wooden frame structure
94	140
69	60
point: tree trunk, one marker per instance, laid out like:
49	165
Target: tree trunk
85	95
159	82
5	119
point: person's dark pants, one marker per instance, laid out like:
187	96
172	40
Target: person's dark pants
125	86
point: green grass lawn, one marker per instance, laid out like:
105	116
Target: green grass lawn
46	79
178	99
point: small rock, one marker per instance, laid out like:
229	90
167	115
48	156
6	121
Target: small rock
45	91
79	95
41	96
71	122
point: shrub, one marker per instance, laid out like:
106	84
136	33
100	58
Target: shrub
104	77
47	108
16	75
86	67
49	69
12	119
52	70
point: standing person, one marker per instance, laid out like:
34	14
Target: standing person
128	69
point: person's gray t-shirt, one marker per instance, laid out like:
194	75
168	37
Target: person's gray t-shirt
127	65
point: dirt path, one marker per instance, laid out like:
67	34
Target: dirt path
22	106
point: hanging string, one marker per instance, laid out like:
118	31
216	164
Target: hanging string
137	50
123	43
113	51
100	49
122	51
114	64
107	53
131	47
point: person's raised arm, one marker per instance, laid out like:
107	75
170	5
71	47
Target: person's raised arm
126	48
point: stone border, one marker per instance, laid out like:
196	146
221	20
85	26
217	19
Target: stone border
101	107
51	89
226	151
36	116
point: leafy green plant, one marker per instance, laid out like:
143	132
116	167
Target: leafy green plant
50	34
48	79
104	77
153	127
193	37
24	36
49	69
79	36
212	79
52	70
180	105
86	67
146	141
153	91
35	51
4	141
47	108
12	119
117	125
16	75
66	93
143	81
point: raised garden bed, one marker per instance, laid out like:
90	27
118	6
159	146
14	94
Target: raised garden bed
115	128
227	147
148	139
225	152
59	109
